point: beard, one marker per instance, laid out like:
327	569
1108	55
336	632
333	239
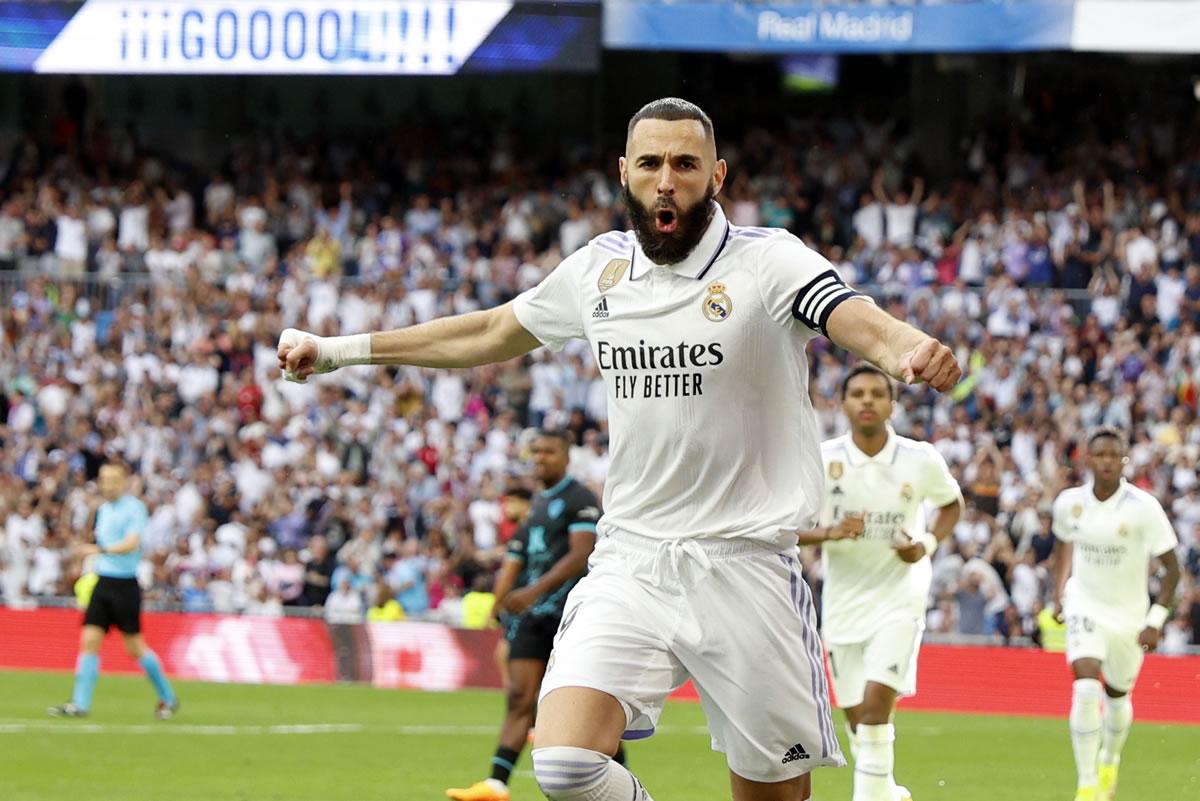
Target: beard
669	247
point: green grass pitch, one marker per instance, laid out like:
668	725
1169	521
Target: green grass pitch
356	743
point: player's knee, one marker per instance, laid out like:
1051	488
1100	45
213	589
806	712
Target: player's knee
90	640
520	699
874	716
566	773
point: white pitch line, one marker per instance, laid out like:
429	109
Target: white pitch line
79	727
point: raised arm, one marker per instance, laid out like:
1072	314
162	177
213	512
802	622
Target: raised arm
877	188
467	340
897	348
918	190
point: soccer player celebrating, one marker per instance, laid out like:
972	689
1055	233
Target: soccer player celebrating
1108	533
699	330
876	549
545	559
116	599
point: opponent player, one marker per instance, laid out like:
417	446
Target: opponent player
698	328
117	598
876	548
514	505
545	559
1108	533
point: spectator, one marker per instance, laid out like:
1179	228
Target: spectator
344	604
318	571
385	609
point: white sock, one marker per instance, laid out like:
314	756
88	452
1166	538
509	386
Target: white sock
851	741
873	765
579	774
1085	728
1118	717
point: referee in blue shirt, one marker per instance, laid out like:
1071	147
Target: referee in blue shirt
117	598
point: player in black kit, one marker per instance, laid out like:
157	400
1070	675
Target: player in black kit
546	558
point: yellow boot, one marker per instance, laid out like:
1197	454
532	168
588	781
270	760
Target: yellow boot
486	790
1108	782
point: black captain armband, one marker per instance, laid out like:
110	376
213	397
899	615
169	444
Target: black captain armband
818	298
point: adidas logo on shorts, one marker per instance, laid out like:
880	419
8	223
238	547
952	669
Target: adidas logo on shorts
601	311
795	752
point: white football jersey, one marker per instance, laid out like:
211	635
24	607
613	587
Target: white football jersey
711	430
866	584
1114	541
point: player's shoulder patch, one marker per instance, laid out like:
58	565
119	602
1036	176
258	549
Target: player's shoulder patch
589	513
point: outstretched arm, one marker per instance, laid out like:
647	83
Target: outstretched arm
467	340
897	348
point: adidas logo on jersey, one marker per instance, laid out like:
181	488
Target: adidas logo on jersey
894	669
795	752
601	312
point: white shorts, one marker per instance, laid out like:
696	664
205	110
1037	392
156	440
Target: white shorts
888	657
735	616
1119	652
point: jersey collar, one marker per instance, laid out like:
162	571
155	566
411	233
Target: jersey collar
698	262
885	456
1090	494
557	488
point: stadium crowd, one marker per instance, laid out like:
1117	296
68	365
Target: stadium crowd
142	300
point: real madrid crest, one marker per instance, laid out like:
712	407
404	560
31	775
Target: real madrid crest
835	470
1076	511
906	491
1123	530
613	272
717	306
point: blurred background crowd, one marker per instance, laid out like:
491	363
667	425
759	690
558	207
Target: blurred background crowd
143	296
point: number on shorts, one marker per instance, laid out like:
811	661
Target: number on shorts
1078	624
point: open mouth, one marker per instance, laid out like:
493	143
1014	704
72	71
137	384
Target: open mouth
666	220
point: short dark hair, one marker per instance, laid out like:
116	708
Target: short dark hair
671	109
518	491
868	369
1107	432
560	434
